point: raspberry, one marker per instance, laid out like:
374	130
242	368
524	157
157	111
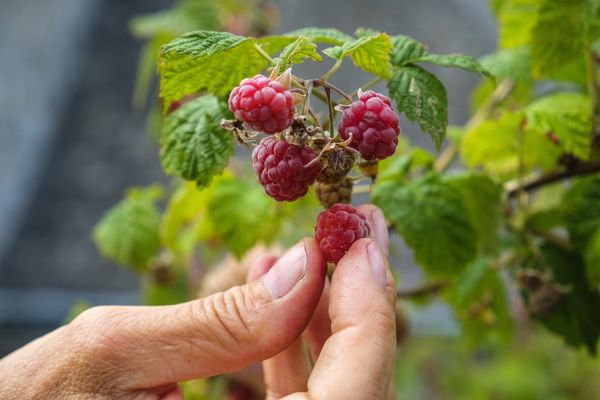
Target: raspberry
339	227
264	105
336	164
373	125
280	167
335	192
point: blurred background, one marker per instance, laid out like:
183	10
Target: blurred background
71	143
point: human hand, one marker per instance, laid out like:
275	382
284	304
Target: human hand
351	337
142	352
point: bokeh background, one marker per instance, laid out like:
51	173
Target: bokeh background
71	143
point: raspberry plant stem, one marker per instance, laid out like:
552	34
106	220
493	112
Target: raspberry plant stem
332	70
331	86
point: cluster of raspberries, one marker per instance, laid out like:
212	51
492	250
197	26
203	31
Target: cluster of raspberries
368	126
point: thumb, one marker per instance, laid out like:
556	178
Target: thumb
152	346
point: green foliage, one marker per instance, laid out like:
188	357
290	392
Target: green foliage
483	198
461	61
128	233
398	168
422	98
273	44
583	221
242	215
207	60
577	315
186	16
370	53
405	50
433	219
193	145
479	302
517	18
566	115
503	148
295	52
563	31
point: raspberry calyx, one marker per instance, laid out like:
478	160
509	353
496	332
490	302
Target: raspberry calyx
373	125
281	168
264	105
337	228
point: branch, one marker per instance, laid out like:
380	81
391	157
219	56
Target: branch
325	84
512	187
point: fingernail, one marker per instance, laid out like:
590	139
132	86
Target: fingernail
287	272
380	230
377	262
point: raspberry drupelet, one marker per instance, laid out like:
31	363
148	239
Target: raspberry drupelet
337	228
264	105
373	124
281	168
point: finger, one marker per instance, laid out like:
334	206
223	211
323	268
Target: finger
357	360
376	220
261	266
319	328
221	333
288	371
174	394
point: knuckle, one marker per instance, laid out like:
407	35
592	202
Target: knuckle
231	315
94	329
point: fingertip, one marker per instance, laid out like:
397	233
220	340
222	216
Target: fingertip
376	220
315	257
261	266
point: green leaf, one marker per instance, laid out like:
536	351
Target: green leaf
592	259
399	166
405	49
577	316
479	301
273	44
431	216
128	233
185	211
517	19
461	61
297	51
146	70
193	145
206	60
186	16
509	64
568	116
583	211
483	199
370	53
242	214
500	146
563	31
422	97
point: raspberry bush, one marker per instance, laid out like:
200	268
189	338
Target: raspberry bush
508	200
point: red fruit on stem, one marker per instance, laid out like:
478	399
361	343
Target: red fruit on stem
264	105
281	168
373	125
337	228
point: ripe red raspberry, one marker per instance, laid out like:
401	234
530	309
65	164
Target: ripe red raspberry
373	125
337	228
280	167
264	105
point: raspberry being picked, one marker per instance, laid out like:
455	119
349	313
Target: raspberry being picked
337	228
264	105
281	168
373	124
